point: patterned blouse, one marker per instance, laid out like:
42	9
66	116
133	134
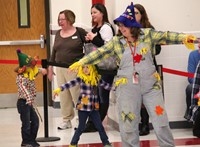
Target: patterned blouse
88	99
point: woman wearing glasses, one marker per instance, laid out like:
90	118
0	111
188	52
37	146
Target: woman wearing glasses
67	49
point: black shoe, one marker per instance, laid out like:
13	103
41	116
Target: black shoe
144	130
36	144
196	133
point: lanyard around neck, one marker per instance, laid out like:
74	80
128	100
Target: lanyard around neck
132	51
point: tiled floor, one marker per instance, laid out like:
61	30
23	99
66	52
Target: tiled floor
10	133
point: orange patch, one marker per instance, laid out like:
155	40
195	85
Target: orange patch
159	110
79	106
85	100
97	106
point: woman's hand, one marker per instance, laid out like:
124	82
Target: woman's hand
44	71
50	73
90	36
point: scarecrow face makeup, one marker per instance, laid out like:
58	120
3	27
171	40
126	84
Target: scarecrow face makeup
86	70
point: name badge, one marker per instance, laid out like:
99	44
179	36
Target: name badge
135	78
74	37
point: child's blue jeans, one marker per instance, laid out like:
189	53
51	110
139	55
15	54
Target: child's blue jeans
30	122
95	117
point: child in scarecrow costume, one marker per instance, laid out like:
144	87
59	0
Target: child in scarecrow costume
25	80
137	80
88	102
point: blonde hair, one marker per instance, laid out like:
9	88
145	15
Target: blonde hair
92	78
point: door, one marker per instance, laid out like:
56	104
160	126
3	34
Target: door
9	31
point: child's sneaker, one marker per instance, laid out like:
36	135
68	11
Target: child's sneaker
73	145
108	145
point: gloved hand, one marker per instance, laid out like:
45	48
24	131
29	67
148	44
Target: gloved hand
56	92
189	42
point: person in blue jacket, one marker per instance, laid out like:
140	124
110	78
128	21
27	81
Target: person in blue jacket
193	60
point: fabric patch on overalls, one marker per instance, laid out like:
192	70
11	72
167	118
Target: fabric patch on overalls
159	110
130	116
143	51
156	86
157	76
137	58
121	81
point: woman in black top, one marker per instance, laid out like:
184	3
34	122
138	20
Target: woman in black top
101	33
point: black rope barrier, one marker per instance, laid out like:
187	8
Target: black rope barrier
58	64
100	71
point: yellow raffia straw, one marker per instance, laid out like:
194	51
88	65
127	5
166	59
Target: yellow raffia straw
92	78
31	73
122	81
189	42
75	66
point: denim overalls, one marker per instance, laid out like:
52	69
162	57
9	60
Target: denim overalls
131	94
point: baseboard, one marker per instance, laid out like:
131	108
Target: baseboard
10	100
56	105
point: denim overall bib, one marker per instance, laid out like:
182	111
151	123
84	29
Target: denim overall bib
131	95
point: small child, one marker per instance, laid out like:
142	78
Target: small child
88	103
25	80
